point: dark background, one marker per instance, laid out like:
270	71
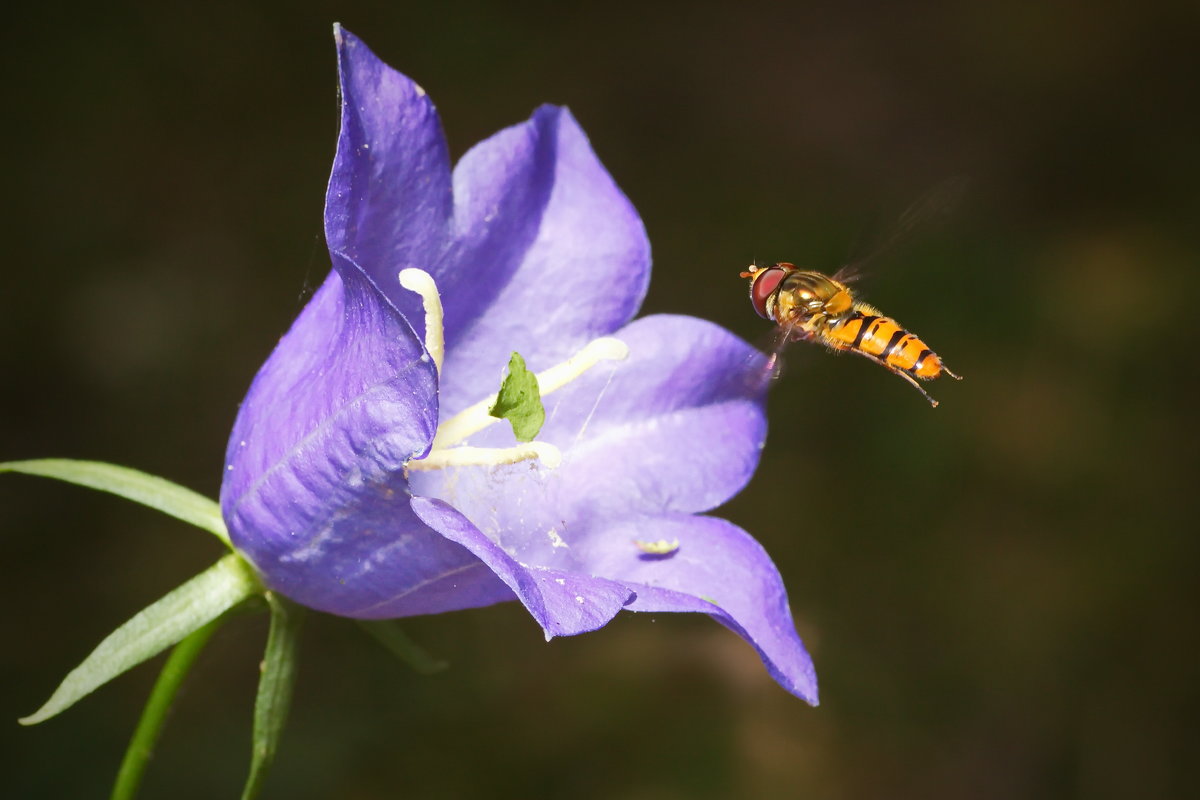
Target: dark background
999	594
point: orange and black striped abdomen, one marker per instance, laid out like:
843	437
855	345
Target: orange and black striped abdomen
872	334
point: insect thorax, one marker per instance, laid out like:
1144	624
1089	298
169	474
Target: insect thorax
807	294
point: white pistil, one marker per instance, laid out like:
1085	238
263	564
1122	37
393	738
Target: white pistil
475	418
545	452
421	282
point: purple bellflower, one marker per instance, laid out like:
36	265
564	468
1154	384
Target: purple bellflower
364	477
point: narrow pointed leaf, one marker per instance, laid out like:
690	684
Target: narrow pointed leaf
140	487
274	689
398	643
153	629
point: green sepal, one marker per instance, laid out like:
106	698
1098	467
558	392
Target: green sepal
140	487
398	643
155	628
520	401
275	687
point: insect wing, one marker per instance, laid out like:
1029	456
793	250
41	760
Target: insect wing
934	205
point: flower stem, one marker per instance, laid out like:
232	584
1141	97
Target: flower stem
141	746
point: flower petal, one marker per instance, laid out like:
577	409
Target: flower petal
684	414
529	220
564	603
346	398
375	559
388	205
718	569
550	254
678	427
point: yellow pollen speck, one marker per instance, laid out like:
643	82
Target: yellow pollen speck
660	548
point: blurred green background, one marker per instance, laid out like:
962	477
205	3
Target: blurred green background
998	594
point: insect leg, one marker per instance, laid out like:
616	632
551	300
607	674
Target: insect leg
902	374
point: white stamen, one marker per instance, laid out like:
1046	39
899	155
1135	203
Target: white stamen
545	452
606	348
421	282
475	418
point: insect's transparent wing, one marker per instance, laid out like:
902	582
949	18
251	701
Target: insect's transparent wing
936	204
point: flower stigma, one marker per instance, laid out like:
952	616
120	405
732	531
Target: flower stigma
477	417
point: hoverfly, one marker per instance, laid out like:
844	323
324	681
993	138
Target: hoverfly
809	306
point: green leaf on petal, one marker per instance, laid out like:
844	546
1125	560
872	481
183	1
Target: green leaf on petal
155	628
520	401
398	643
149	490
274	689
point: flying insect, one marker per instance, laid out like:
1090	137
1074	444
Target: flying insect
810	306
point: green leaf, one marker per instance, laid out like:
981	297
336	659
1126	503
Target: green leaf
274	689
155	628
149	490
141	745
389	634
520	401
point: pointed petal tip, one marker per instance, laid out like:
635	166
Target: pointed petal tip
559	117
349	47
803	685
550	110
807	693
342	37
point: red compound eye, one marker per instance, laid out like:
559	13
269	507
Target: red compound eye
765	282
